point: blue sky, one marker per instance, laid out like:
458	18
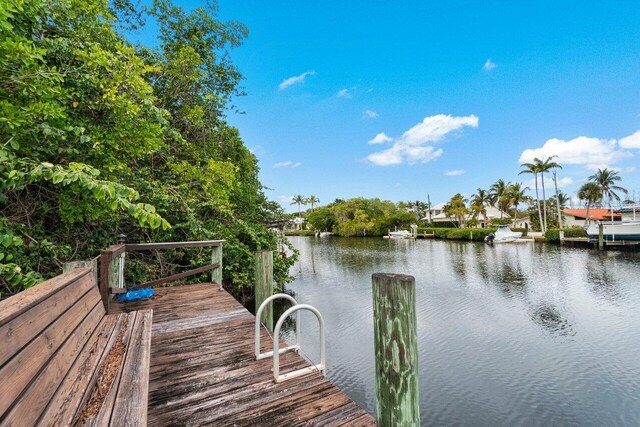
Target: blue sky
455	93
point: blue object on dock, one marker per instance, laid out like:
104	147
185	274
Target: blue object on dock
135	295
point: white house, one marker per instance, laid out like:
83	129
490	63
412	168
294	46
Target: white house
578	217
436	211
524	222
492	213
437	215
629	213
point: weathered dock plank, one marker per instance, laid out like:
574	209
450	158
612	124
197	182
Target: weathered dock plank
203	370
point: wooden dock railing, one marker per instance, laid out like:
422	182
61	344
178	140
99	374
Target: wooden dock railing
112	262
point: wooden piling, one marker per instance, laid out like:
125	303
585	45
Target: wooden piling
396	349
264	285
216	257
600	236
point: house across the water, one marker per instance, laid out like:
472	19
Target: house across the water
629	213
438	215
578	217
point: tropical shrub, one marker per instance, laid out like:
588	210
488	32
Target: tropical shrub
553	234
100	137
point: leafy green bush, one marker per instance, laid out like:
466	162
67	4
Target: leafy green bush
553	234
501	221
299	233
446	224
458	233
100	137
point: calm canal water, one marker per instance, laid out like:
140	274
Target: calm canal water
515	334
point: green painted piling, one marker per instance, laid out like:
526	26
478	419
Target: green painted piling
396	349
264	285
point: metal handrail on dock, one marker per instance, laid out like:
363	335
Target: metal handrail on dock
264	304
277	351
276	343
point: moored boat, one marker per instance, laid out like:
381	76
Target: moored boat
503	235
614	230
400	234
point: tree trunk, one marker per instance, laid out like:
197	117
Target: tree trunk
555	183
544	203
588	221
535	176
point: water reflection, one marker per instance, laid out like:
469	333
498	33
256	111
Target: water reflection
516	334
550	318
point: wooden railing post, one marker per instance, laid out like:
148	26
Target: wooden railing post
111	273
105	279
396	349
216	257
264	285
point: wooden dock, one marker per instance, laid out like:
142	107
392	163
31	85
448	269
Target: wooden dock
203	370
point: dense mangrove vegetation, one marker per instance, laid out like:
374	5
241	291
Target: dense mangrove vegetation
100	137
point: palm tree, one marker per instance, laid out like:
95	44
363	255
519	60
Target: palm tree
479	201
554	166
299	200
313	201
544	167
606	179
516	195
590	193
533	169
497	192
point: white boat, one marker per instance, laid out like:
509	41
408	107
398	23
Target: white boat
614	230
503	235
400	234
324	234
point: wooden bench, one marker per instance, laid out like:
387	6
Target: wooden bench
64	361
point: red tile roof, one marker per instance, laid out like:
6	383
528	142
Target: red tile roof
594	214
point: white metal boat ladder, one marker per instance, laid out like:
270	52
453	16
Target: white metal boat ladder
277	351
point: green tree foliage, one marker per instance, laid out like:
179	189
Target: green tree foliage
606	180
360	217
591	193
98	137
299	200
456	209
479	202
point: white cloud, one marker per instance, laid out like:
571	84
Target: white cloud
369	114
590	152
396	155
489	65
631	141
287	164
295	80
455	172
344	93
380	138
565	181
415	145
435	128
630	169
